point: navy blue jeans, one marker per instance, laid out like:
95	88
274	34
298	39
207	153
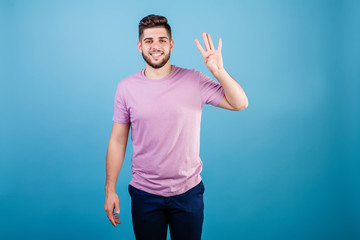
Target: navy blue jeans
152	214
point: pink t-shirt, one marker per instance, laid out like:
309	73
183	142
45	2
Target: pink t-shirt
165	116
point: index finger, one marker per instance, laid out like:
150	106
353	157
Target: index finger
110	216
202	51
112	220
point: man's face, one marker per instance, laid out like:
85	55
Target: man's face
155	46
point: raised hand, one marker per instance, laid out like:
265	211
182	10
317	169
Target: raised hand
212	57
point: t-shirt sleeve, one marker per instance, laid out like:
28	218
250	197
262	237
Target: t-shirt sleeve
121	113
211	92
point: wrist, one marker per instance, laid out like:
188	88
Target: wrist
219	73
110	189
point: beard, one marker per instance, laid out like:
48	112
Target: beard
156	65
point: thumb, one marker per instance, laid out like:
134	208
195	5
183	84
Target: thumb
117	209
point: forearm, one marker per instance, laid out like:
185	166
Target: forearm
114	160
232	89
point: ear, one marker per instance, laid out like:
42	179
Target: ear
171	45
139	47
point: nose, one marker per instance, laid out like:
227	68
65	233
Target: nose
155	45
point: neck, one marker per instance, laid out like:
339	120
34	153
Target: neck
157	73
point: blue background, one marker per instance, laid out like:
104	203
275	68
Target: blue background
287	167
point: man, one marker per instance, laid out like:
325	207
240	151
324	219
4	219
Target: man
163	105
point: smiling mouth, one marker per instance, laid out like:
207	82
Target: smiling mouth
156	54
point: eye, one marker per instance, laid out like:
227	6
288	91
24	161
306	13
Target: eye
163	40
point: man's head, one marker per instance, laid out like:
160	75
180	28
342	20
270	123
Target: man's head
152	21
155	43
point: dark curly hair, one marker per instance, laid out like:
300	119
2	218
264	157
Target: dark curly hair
151	21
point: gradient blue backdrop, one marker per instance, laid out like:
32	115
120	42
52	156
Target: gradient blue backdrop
287	167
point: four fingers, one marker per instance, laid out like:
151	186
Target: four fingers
209	45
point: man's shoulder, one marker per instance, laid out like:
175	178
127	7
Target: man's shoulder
131	78
186	71
184	68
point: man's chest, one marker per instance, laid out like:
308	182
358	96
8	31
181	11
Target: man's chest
159	103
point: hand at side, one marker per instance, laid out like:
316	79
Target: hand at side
112	202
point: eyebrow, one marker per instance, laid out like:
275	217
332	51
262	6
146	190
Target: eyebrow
150	38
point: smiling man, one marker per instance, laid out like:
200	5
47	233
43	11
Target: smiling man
162	104
156	57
